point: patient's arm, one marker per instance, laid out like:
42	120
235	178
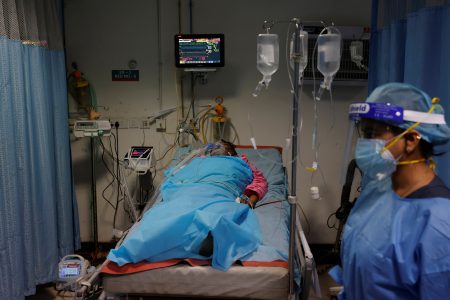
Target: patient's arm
258	187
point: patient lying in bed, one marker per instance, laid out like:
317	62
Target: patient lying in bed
199	200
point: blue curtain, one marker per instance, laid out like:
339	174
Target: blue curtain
38	213
410	42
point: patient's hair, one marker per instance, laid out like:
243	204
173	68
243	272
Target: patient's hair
231	148
223	148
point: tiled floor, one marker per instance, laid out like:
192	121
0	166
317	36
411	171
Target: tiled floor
48	292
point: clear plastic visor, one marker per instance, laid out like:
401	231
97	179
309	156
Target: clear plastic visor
367	129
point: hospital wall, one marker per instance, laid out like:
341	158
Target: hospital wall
104	35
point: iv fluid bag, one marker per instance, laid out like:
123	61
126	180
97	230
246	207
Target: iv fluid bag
303	52
329	52
356	51
267	53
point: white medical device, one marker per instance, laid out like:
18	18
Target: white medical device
90	128
71	269
140	159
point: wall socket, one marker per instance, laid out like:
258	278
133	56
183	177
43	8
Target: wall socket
161	125
123	123
133	123
145	124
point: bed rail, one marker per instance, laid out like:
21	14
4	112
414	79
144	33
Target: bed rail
307	263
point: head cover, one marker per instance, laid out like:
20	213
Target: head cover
415	104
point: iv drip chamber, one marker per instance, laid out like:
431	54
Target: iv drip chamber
302	55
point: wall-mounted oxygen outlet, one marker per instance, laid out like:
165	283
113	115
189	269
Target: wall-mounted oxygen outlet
161	125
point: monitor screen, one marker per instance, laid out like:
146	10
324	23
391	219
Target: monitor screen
199	50
140	152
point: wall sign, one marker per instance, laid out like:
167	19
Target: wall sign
125	75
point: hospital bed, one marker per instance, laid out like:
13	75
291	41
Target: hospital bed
250	279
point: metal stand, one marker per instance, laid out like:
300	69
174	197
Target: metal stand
293	194
94	202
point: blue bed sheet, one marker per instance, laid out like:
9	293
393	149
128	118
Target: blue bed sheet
243	234
198	199
273	210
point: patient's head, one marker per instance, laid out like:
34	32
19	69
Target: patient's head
223	148
230	148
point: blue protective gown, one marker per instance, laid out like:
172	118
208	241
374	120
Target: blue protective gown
396	248
198	199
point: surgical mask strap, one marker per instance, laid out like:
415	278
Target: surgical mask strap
434	101
431	162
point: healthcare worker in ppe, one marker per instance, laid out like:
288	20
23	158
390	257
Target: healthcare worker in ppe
396	242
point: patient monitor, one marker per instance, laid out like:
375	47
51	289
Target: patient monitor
140	159
71	269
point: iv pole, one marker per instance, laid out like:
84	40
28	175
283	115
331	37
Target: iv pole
308	261
94	201
308	268
293	194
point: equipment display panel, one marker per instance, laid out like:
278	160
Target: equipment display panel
199	50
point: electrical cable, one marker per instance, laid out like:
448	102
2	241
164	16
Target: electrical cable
236	135
143	132
175	142
334	224
118	174
333	111
110	172
267	203
202	129
306	219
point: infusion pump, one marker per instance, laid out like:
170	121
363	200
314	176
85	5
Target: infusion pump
90	128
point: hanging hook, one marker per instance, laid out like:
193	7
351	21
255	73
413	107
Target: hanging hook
267	25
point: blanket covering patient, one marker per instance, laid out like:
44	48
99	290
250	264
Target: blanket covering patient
199	202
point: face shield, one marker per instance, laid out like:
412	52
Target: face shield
372	122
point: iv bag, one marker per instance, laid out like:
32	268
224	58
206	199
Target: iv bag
302	56
356	51
329	52
267	53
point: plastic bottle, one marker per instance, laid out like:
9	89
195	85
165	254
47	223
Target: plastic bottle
302	56
315	193
267	58
356	51
328	57
356	54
